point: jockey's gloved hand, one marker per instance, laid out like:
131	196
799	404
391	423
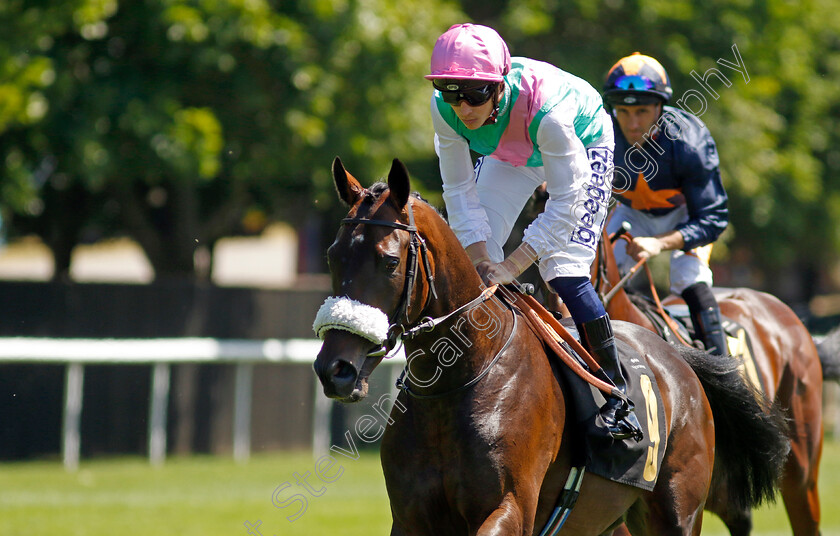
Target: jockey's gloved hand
508	270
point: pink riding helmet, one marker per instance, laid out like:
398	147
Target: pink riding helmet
470	52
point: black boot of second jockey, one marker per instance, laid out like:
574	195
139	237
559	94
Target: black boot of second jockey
618	415
705	315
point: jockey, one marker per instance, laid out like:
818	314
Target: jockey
668	186
533	123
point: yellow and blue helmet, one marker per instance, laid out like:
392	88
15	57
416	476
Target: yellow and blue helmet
637	79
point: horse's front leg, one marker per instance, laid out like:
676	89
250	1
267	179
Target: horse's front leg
511	518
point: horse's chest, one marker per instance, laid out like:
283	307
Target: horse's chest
441	492
441	462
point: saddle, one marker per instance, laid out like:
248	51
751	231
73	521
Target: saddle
627	461
737	338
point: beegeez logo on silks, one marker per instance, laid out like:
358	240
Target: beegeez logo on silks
591	212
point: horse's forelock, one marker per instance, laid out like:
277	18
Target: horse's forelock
374	193
378	188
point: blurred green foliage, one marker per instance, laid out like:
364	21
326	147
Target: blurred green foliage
169	120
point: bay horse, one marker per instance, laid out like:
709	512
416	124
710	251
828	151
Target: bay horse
788	366
479	440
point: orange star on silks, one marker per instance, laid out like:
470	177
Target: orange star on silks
643	198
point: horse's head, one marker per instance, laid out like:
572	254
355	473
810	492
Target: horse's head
375	261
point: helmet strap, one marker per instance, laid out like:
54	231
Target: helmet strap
494	115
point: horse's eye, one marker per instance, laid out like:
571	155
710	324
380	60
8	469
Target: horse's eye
391	264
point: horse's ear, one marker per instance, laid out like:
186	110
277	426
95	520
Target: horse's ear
349	189
399	184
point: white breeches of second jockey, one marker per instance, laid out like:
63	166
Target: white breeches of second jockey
504	189
686	268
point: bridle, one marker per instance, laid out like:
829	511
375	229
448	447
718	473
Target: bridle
396	327
398	330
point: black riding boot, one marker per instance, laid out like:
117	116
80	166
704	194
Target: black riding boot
708	326
705	315
618	415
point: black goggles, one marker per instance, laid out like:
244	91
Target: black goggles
453	93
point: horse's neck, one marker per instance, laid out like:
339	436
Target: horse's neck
456	280
459	346
622	308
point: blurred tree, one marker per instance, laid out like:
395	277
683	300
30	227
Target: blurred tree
775	120
182	121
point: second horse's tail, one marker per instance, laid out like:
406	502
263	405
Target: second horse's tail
828	348
751	441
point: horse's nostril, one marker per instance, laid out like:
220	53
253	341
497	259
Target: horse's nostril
342	370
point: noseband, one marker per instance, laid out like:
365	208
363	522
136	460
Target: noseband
397	328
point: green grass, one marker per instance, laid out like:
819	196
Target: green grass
208	496
195	496
771	520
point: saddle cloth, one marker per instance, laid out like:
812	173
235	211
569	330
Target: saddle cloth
628	461
737	339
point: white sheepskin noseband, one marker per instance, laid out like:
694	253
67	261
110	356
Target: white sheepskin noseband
353	316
